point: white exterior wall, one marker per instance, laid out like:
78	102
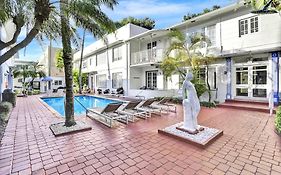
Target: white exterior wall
114	40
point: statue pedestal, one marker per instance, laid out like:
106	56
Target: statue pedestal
182	128
200	139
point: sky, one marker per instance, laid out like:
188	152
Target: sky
165	12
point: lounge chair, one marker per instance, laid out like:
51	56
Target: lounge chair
147	106
107	115
131	110
165	105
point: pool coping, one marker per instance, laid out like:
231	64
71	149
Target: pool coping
58	115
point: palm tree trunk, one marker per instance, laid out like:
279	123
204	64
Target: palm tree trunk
80	66
67	60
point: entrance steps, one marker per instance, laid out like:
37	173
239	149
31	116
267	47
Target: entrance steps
259	106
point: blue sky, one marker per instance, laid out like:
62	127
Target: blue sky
165	12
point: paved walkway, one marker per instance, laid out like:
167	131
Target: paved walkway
248	146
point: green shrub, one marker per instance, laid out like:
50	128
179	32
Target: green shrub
278	120
35	92
208	104
5	107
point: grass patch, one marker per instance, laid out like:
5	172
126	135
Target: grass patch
278	120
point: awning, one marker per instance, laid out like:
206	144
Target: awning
47	79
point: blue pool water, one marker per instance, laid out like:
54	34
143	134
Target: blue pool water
57	103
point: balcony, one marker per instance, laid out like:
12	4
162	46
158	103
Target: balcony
147	56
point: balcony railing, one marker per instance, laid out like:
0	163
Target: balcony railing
147	56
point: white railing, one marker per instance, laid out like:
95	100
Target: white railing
147	56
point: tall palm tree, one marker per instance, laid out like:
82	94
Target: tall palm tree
81	60
87	14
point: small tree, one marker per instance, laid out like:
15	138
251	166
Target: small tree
182	54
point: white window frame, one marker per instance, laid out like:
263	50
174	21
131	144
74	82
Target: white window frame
117	53
118	82
101	81
151	79
248	25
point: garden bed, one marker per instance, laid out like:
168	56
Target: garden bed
59	129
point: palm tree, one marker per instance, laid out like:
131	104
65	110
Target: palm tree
265	6
81	60
32	71
50	19
88	15
36	71
182	54
24	72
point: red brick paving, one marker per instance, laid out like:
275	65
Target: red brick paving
248	146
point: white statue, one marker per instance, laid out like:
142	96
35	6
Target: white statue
191	106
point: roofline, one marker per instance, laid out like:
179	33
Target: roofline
146	33
223	10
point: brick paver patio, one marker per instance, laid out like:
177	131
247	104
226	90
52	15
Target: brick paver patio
248	146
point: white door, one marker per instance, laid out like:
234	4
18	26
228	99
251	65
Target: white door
251	81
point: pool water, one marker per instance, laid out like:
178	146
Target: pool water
57	103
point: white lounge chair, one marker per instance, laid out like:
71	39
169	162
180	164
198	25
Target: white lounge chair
147	106
107	115
164	105
131	110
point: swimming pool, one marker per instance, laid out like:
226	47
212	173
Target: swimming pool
57	103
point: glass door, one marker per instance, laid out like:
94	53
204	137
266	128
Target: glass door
251	81
259	76
242	82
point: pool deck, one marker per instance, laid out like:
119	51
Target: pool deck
248	146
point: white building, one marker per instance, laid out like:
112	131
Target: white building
48	61
247	44
6	80
107	62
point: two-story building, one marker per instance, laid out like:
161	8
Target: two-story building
107	60
247	46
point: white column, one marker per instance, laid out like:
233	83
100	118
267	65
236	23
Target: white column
229	74
275	76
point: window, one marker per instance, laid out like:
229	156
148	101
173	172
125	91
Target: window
254	24
211	34
151	79
20	80
242	75
101	59
154	44
36	85
90	61
101	81
56	82
60	82
244	28
260	75
117	54
201	75
84	64
117	80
